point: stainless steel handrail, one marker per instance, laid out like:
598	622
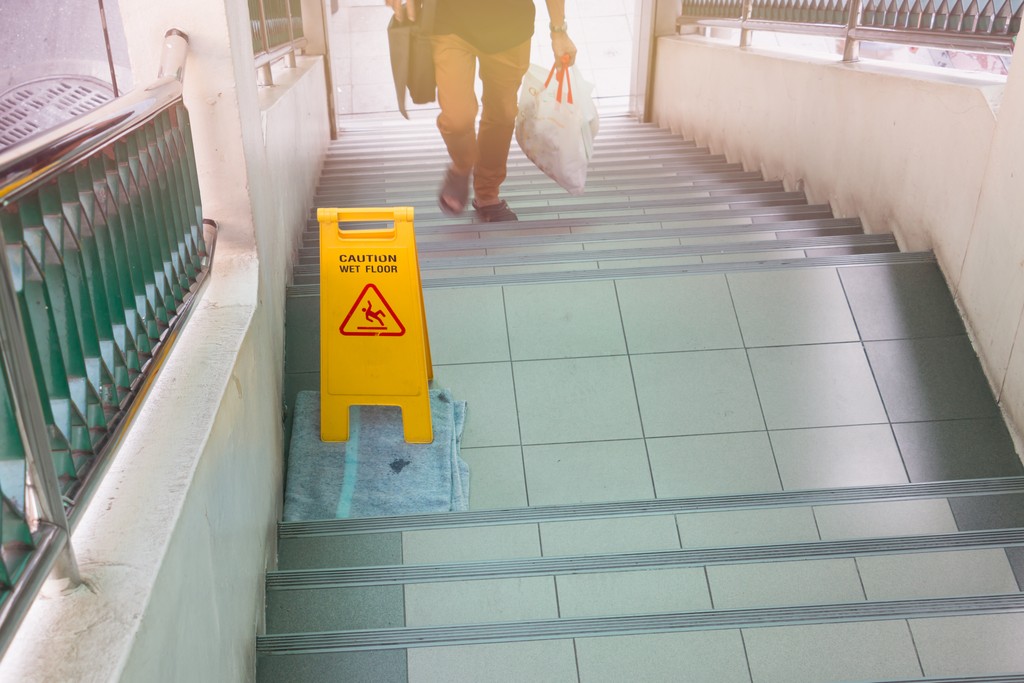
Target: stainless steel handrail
55	150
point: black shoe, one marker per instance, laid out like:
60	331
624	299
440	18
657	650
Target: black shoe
494	213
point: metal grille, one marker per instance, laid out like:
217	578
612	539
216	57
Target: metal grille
41	104
104	256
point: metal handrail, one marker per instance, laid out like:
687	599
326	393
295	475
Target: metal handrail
57	149
989	29
24	168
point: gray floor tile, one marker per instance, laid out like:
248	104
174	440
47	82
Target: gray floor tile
988	512
831	652
466	325
678	314
639	592
957	449
470	543
816	386
490	400
901	302
827	457
699	392
356	550
931	379
987	644
937	575
616	535
889	518
541	661
599	471
576	399
380	666
334	609
1015	556
713	464
475	602
789	307
496	477
699	657
747	527
775	584
564	320
302	334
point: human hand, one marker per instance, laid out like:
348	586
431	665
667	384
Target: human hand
404	10
562	45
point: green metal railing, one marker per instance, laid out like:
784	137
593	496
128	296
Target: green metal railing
990	26
276	33
103	250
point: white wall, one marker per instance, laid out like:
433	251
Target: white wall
175	545
905	153
906	150
992	283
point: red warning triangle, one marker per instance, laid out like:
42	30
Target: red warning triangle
371	316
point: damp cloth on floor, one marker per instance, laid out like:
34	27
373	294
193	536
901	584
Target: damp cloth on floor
375	473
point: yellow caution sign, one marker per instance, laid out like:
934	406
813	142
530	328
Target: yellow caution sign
373	330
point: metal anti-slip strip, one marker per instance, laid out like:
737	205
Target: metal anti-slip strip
742	226
589	564
887	258
549	629
605	255
996	678
828	242
663	506
545	277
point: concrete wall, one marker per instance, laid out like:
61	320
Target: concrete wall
992	282
175	546
907	150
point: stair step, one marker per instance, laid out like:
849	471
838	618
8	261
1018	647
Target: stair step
703	557
544	629
661	506
507	278
565	207
426	198
433	157
309	274
528	238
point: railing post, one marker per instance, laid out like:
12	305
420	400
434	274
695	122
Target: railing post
266	76
746	35
851	46
290	59
31	424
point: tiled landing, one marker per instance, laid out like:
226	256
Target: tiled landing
688	386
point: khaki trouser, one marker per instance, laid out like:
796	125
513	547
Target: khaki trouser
485	154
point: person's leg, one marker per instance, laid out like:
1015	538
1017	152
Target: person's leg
455	72
501	74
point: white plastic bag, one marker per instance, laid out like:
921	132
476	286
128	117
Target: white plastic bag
556	124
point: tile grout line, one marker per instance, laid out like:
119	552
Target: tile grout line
515	399
746	654
913	641
753	380
874	378
636	393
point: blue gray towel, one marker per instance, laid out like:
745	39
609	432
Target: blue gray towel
375	473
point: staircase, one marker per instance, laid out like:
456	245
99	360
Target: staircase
715	434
